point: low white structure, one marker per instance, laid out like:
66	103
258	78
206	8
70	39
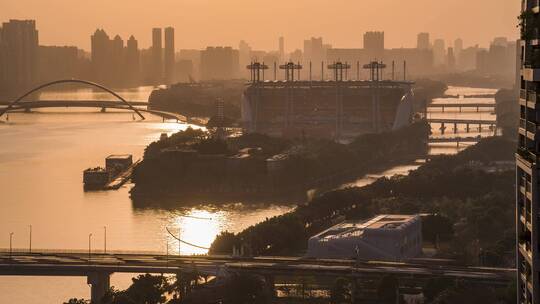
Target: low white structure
384	237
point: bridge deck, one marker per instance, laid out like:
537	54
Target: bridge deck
79	264
462	121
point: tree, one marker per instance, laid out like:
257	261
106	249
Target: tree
77	301
435	286
340	292
148	289
465	293
245	289
387	290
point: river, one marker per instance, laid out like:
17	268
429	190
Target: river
42	157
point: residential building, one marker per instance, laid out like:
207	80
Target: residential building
527	165
18	55
169	56
219	63
422	42
157	56
439	52
374	44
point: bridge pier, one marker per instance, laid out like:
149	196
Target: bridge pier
455	128
103	110
270	287
100	284
467	128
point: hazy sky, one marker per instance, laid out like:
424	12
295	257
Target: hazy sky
199	23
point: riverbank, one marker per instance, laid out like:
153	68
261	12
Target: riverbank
468	190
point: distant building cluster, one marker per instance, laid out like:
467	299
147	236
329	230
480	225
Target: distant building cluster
115	62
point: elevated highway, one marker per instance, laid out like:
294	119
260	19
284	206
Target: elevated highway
98	267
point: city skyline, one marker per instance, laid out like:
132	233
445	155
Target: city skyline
346	31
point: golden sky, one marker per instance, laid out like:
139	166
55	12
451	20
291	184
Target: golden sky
199	23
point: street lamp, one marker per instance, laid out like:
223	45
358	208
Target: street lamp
105	239
10	244
30	240
89	247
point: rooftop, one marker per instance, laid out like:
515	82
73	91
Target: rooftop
119	156
384	222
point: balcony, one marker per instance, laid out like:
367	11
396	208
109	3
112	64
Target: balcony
523	94
531	127
525	159
531	73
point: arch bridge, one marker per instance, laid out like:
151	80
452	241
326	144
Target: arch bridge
122	104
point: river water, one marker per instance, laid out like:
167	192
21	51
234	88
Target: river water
42	156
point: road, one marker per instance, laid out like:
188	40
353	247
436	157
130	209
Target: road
81	263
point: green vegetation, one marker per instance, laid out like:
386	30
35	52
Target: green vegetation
191	163
473	207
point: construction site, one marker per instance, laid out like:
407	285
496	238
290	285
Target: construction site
337	109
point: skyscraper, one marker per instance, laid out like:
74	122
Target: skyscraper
19	54
101	56
133	61
281	48
439	52
157	56
374	44
458	47
527	166
169	55
219	63
422	42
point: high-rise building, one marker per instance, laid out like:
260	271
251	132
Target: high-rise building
169	55
527	168
219	63
19	49
422	42
374	44
133	61
458	47
281	48
439	52
451	59
157	56
101	56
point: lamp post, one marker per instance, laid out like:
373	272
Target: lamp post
10	244
30	239
105	239
89	247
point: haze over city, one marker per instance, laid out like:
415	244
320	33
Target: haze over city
200	23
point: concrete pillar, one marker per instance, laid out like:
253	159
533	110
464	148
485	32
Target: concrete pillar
100	283
270	288
442	128
467	128
455	128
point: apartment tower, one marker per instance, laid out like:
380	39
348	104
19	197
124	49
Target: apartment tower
527	160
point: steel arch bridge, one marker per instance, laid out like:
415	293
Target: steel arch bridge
125	104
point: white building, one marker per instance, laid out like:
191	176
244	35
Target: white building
384	237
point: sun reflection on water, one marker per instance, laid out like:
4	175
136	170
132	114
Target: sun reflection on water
198	227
